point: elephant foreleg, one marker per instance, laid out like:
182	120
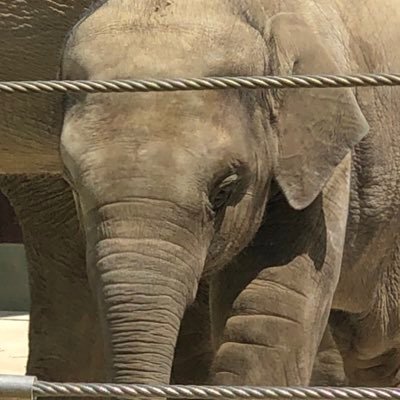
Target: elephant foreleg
370	341
272	334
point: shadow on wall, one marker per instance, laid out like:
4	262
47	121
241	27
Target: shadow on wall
14	289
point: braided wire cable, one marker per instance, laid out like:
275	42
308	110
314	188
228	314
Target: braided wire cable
46	389
208	83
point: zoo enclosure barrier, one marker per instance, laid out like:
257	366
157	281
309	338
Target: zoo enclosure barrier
29	388
207	83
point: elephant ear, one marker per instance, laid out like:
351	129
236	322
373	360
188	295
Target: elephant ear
316	128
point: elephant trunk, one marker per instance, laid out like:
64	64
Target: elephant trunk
145	272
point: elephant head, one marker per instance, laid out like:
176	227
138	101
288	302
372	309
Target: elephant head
171	186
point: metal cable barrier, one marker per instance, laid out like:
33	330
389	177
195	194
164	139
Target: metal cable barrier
28	388
208	83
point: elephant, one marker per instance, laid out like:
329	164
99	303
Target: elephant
208	236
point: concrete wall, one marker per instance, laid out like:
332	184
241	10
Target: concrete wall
14	289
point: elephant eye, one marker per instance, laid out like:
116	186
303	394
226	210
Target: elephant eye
224	192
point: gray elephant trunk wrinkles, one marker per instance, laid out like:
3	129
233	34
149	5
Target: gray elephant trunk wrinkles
144	275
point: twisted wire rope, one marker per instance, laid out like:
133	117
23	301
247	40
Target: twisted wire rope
208	83
46	389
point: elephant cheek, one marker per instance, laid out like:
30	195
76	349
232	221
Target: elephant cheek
235	231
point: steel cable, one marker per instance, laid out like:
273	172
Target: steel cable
45	389
209	83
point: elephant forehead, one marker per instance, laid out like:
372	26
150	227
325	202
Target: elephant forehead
200	121
115	44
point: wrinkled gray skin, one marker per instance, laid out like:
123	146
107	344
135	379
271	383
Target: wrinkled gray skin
279	200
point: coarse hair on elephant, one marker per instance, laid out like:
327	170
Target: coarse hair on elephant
220	231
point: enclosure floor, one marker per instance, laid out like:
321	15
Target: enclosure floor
13	342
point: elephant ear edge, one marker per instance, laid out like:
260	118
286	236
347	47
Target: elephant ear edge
315	128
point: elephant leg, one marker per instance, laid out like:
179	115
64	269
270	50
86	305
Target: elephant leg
369	360
328	365
370	342
64	338
269	309
273	329
194	353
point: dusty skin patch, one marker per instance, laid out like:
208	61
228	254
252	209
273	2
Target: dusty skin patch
161	5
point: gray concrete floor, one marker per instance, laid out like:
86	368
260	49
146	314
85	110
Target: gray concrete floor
13	342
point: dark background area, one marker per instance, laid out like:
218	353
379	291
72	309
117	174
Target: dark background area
14	288
10	232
